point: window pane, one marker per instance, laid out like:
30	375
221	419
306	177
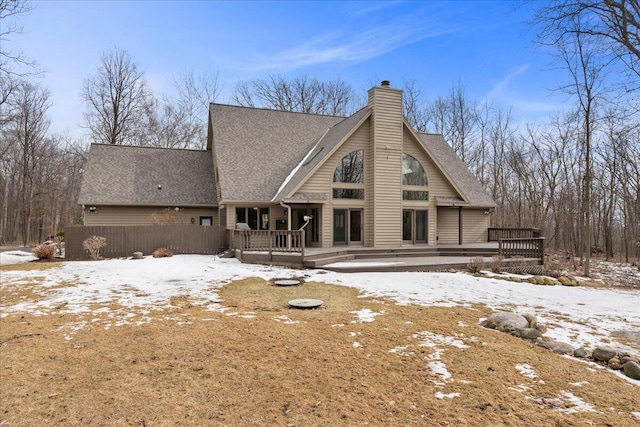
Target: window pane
415	195
350	168
348	193
412	171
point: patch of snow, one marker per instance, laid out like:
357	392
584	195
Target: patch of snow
636	414
579	405
285	319
579	383
430	339
438	368
16	257
520	388
366	315
356	344
527	371
440	395
401	350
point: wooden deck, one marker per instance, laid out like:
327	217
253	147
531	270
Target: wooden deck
287	248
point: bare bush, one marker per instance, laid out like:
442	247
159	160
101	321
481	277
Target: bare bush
497	263
44	251
93	244
162	253
475	265
167	216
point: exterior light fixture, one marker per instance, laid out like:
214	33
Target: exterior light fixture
177	209
93	209
159	186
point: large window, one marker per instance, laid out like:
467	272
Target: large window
348	177
412	171
413	177
350	169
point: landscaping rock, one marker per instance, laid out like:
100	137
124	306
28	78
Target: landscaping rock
516	279
604	354
632	370
532	319
565	281
527	333
138	255
557	347
549	281
626	358
580	353
505	322
614	363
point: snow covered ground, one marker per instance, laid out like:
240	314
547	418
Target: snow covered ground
579	315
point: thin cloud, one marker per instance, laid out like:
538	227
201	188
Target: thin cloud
499	89
353	46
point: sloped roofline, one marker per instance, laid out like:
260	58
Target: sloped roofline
325	157
435	161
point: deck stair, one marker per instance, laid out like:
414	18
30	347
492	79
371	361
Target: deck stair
320	260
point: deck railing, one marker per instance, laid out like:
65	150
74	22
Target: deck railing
525	247
495	234
269	241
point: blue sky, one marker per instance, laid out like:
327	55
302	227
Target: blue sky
484	45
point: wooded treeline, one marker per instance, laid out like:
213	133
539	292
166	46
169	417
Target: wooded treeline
575	175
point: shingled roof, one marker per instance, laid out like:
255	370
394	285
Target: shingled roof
256	149
455	168
128	175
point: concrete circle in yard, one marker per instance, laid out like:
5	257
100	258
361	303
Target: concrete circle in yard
287	282
305	303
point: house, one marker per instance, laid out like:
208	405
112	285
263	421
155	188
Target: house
365	180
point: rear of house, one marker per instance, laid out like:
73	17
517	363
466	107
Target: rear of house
365	180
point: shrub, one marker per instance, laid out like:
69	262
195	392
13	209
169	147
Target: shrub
162	253
475	265
497	263
44	251
93	244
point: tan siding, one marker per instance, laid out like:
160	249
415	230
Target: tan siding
447	225
387	141
439	185
474	226
142	215
322	181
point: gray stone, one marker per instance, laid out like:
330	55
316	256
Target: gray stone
580	352
527	333
138	255
626	358
632	370
557	347
614	363
531	318
604	354
505	322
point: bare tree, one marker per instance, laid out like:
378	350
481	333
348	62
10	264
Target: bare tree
117	99
612	23
13	65
300	94
28	131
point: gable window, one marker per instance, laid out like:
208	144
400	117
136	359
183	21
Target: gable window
350	169
414	179
348	177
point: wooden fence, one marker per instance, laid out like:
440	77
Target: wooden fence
495	234
528	248
122	241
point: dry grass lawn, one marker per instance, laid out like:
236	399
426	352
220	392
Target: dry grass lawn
262	363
